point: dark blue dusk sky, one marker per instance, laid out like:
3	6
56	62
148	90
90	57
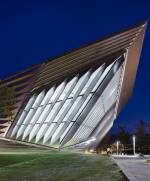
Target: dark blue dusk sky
33	31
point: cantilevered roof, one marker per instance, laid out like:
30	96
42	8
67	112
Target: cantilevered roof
69	64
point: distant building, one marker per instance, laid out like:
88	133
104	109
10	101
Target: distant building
74	99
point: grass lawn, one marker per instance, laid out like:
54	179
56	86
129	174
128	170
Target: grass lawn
44	165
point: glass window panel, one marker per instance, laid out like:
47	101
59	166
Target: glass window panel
34	131
82	107
72	109
22	117
41	132
45	113
27	131
102	77
36	115
80	84
56	134
30	103
47	135
57	92
14	131
29	116
38	99
58	130
53	112
66	131
48	96
20	131
24	114
93	76
63	110
70	85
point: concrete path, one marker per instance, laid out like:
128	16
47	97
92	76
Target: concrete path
135	168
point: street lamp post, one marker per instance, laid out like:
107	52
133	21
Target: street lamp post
133	138
117	147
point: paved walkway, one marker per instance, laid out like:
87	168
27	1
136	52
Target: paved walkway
135	168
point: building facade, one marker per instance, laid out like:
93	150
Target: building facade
73	100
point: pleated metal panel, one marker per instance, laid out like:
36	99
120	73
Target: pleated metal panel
100	108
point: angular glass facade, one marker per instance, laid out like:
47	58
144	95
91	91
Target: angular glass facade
52	117
74	99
